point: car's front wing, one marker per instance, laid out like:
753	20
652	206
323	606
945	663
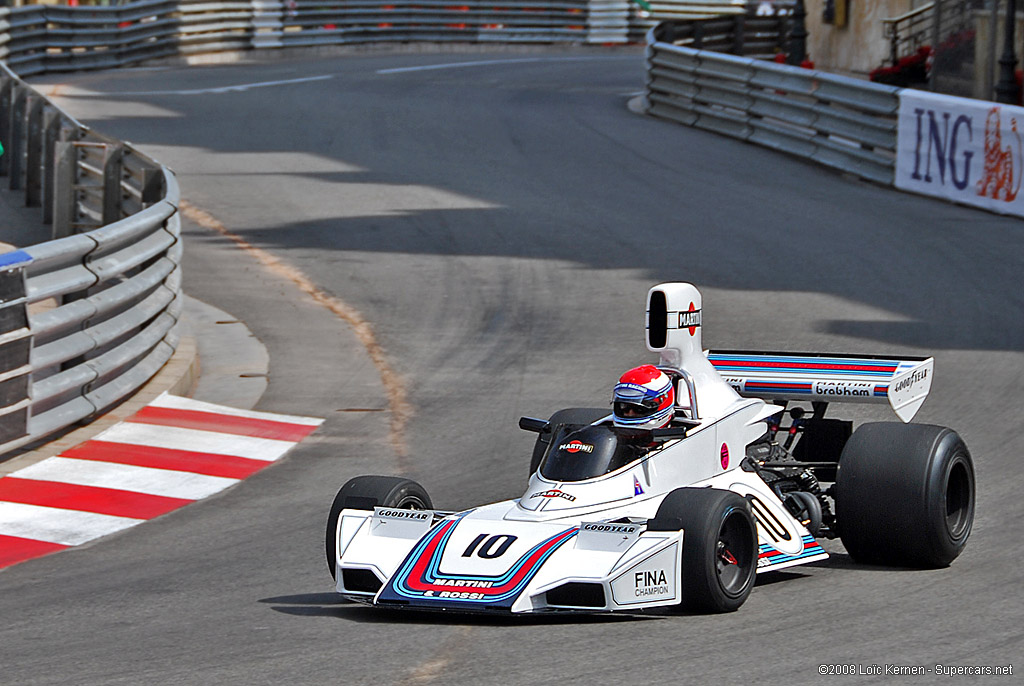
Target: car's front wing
549	566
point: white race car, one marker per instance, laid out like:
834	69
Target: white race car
721	494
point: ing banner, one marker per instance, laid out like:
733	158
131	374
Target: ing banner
968	151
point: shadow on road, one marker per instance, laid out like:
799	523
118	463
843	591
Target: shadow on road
332	605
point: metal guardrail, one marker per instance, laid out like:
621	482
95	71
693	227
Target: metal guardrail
46	38
837	121
90	316
739	34
87	318
664	10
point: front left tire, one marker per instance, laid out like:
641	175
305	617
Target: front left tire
368	492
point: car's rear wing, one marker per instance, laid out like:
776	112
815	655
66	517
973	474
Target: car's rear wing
903	383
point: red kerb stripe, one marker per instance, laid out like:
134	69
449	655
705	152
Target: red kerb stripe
14	550
209	464
224	423
107	501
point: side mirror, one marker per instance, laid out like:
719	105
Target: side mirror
670	433
535	425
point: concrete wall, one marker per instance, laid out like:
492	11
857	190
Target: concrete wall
861	45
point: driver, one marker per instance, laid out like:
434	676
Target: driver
643	399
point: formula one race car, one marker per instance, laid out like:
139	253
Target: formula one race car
721	493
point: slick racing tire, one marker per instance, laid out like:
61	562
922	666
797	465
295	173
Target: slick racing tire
561	423
719	546
905	495
367	492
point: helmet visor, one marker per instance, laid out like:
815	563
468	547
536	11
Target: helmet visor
638	395
631	410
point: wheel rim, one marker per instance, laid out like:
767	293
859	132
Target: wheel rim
734	554
411	502
959	499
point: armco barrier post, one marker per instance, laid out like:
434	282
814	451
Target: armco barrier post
15	347
798	35
112	183
34	150
64	178
51	134
14	143
739	28
6	84
152	187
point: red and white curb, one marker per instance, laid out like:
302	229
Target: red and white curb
170	453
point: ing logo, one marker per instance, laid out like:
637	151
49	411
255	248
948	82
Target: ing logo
997	180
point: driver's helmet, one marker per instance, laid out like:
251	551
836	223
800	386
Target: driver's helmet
644	398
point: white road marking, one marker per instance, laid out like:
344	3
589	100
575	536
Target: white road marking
55	525
177	402
194	440
126	477
484	63
242	87
238	88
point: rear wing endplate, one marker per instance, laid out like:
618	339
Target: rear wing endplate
903	383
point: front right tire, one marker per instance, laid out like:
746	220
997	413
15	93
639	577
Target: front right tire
719	546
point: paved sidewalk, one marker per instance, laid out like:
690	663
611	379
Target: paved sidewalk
19	225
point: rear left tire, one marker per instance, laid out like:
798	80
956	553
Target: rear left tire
905	495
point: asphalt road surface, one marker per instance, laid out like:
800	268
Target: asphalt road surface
498	223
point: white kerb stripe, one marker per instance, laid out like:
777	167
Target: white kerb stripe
178	403
176	438
55	525
126	477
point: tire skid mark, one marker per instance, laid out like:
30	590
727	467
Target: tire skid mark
394	387
433	669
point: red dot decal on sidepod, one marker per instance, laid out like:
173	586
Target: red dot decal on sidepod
725	456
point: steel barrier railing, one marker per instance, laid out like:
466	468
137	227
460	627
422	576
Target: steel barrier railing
739	34
90	316
837	121
87	318
45	38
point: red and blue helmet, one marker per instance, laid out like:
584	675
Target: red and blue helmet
644	398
